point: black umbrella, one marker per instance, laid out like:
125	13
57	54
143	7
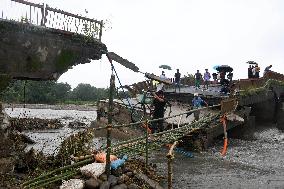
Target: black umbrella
166	67
251	62
224	68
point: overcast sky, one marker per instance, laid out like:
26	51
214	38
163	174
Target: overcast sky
185	34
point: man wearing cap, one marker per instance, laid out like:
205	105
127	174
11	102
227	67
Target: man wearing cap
159	104
197	103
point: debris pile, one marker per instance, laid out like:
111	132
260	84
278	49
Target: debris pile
21	124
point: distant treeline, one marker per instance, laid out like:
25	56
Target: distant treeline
51	92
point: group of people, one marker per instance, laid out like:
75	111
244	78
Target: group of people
254	70
159	102
198	79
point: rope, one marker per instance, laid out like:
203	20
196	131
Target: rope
224	123
120	85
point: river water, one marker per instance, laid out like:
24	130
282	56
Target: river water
49	140
258	163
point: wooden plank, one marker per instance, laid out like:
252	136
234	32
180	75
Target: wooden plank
157	78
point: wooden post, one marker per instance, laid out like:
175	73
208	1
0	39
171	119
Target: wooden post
170	157
110	116
147	143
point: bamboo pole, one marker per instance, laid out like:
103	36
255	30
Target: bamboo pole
147	143
110	117
170	157
50	180
59	169
153	120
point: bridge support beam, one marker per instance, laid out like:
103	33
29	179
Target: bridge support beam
280	113
243	131
264	112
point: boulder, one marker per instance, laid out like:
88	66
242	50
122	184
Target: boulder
133	186
105	185
112	180
92	183
121	186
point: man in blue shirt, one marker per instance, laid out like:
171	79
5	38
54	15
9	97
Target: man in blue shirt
197	103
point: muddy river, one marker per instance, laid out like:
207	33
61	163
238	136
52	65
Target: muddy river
48	141
257	163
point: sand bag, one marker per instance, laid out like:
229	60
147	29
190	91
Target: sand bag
93	170
72	184
101	157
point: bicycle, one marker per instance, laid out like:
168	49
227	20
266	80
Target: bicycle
144	106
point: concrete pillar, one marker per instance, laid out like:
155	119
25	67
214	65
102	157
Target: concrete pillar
244	131
264	111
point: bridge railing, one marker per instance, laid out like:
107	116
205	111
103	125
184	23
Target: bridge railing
46	16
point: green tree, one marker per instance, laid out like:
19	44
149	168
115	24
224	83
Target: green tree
84	92
61	91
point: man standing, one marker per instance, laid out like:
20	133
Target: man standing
198	77
197	103
159	104
177	80
257	70
206	78
250	71
215	78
